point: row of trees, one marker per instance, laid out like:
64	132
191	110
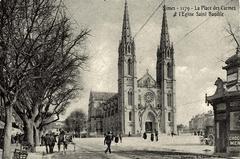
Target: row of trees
76	122
40	63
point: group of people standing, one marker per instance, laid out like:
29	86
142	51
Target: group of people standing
49	140
17	139
152	136
198	133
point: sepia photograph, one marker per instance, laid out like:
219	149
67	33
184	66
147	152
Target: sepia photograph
119	79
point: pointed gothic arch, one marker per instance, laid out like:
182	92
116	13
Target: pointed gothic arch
150	122
150	117
130	97
169	99
169	72
129	48
130	116
129	67
169	116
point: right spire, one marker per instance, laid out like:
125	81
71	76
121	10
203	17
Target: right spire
164	42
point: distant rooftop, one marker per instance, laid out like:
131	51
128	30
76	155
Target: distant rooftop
101	95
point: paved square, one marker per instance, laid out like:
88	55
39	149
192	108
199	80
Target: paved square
134	148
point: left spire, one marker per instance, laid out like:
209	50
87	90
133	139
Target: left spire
126	30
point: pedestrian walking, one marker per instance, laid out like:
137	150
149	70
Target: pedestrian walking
42	140
52	141
152	137
108	140
61	140
46	142
67	140
120	137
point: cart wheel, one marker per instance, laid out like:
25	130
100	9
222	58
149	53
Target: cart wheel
211	140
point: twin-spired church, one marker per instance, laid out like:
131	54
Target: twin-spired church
141	104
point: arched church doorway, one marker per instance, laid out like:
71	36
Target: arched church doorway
150	123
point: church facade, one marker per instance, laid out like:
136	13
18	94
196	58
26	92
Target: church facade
140	105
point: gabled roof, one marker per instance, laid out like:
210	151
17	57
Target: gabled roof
147	81
103	96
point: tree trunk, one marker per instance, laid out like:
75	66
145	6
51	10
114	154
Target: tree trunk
7	132
30	133
36	136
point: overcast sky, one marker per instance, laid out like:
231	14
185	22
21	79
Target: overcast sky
198	56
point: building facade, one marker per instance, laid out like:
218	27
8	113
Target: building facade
140	105
199	123
226	106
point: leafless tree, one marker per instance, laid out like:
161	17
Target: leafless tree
39	62
235	35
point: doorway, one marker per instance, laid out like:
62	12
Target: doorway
148	127
150	123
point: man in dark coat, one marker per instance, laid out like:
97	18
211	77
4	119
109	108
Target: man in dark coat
52	141
152	137
108	140
156	134
42	140
145	135
61	140
46	142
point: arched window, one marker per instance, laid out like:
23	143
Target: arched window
129	49
168	53
169	116
168	70
130	98
169	99
130	116
129	63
